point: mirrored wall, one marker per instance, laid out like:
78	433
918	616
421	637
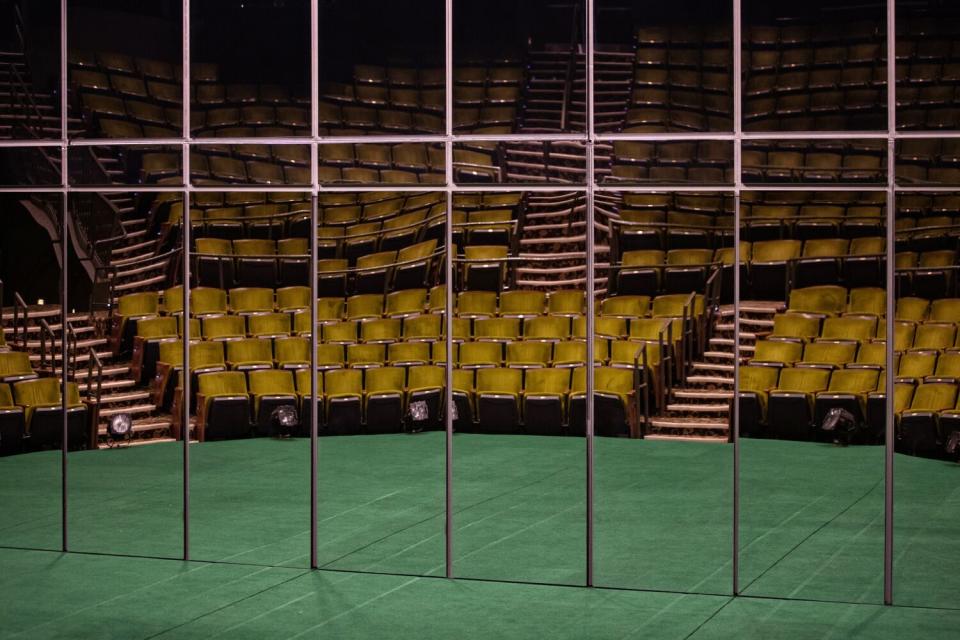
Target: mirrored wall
627	295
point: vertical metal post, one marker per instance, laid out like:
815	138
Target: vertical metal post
891	302
314	387
590	292
737	77
185	255
312	270
448	290
64	273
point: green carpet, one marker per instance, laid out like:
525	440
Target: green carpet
811	515
58	596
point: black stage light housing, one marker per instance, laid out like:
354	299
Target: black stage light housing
284	420
842	424
120	428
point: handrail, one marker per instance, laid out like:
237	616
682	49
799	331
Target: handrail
94	361
571	65
44	331
71	355
18	305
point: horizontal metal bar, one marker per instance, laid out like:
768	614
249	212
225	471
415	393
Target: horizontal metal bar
30	189
662	188
520	137
513	188
926	189
125	142
30	142
815	135
684	136
813	186
927	135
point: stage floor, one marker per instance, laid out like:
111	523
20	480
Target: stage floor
811	529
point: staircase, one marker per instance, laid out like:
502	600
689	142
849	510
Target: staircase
119	392
699	407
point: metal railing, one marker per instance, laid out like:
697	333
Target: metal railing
21	317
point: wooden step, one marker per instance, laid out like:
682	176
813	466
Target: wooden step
708	380
133	410
697	438
681	423
700	394
699	408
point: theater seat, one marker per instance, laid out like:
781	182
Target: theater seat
223	406
12	430
545	394
343	393
498	393
848	390
425	384
383	398
15	366
613	394
919	425
271	389
756	382
790	413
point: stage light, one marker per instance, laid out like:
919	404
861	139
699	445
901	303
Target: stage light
120	428
284	419
842	424
953	445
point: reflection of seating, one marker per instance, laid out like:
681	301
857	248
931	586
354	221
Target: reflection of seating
498	399
919	425
12	429
343	392
544	400
271	389
755	385
384	399
848	390
223	406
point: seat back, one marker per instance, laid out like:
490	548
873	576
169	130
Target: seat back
268	382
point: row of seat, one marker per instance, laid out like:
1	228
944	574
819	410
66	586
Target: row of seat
256	263
417	157
521	303
793	402
31	413
820	166
111	61
474	75
539	401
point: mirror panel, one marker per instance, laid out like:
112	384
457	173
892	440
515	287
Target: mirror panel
519	386
815	66
381	283
249	350
125	70
664	382
925	398
250	69
812	305
32	354
125	495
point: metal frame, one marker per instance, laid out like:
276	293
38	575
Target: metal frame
589	137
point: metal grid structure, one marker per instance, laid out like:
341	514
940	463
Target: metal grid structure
588	138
